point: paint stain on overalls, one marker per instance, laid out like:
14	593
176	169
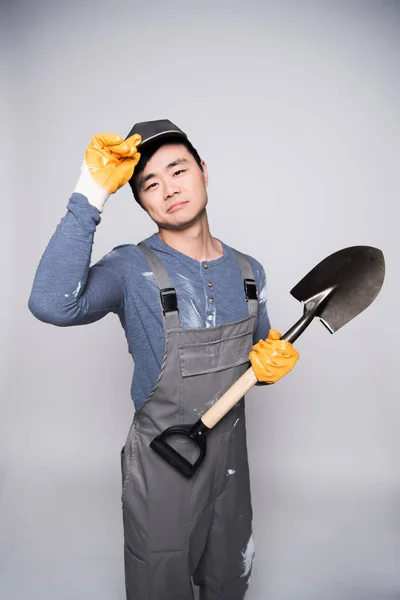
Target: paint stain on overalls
182	531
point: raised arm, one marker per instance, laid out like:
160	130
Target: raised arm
66	290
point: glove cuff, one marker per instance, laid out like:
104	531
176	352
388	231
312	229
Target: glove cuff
87	186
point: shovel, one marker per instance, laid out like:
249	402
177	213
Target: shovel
338	289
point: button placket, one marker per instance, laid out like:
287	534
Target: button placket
210	311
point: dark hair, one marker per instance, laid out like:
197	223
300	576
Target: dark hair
151	148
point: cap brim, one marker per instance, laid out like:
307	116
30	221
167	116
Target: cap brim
168	133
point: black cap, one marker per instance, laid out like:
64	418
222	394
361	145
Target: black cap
152	130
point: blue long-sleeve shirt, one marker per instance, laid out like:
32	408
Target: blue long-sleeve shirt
68	291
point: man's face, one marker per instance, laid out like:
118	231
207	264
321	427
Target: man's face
172	188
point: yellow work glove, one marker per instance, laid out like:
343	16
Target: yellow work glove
272	358
109	163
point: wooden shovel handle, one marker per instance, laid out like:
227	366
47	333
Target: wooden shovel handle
230	398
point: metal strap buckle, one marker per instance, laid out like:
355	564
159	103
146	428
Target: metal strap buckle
169	300
250	289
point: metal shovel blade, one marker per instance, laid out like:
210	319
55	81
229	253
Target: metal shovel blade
354	275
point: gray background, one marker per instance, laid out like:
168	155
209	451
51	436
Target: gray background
295	108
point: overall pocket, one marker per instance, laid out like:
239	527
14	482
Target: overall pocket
137	580
127	456
208	370
211	357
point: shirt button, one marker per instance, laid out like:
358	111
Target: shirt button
209	284
211	299
210	317
205	265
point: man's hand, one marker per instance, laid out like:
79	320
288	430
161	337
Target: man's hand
272	358
109	164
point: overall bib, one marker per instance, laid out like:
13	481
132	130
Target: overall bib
178	529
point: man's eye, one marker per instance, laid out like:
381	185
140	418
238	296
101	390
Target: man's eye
179	172
150	186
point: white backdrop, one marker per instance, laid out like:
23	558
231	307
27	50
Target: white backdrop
295	108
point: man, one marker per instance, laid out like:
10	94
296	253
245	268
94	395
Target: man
194	313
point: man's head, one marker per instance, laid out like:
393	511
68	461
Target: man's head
170	179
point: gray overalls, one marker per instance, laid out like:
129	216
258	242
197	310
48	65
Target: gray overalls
175	528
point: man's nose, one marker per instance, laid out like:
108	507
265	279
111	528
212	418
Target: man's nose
170	188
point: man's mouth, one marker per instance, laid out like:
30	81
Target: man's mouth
177	206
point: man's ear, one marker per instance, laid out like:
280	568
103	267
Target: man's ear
205	172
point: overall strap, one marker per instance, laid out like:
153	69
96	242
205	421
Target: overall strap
249	283
168	299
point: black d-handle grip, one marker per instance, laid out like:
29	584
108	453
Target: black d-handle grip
196	432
